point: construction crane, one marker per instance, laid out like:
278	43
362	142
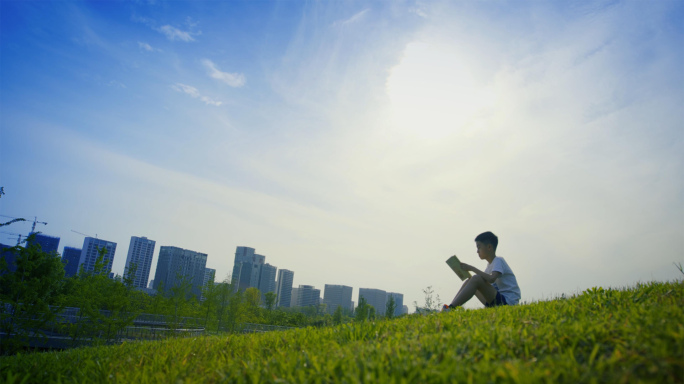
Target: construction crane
83	234
19	236
35	221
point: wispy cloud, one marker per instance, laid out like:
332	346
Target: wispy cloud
147	47
194	93
420	10
232	79
354	19
116	84
173	33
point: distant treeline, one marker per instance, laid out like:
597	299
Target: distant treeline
36	293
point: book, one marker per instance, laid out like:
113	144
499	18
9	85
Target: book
455	265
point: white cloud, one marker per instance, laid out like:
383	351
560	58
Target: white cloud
232	79
419	10
194	93
173	33
116	84
354	19
148	47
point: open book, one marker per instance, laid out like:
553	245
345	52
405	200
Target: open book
455	265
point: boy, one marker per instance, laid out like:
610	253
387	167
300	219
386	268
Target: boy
496	285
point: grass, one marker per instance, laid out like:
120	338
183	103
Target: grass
603	335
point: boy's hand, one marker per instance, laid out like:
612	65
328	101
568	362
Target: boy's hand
467	267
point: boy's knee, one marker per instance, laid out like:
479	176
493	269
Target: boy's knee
477	279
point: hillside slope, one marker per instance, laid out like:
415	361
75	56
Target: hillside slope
603	335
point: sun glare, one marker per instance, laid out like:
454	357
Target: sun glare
433	93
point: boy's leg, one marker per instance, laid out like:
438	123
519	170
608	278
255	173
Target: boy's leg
481	297
475	286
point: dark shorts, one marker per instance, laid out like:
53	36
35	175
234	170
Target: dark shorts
498	300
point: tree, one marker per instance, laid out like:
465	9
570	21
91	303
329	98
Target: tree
253	297
211	293
179	299
391	307
223	301
362	310
269	300
337	316
26	294
236	310
106	306
253	303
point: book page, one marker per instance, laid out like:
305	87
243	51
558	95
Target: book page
455	265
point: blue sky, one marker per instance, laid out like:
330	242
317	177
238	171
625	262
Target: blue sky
356	143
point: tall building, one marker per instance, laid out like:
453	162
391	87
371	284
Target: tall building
398	303
48	244
209	276
337	296
375	297
139	259
284	287
247	268
90	253
70	257
267	279
257	263
176	266
242	255
305	296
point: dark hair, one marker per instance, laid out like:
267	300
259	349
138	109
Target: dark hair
488	238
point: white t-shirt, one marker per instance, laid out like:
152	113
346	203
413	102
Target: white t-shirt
506	283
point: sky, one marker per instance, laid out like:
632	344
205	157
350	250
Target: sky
359	143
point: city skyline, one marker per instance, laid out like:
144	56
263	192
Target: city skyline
356	143
141	252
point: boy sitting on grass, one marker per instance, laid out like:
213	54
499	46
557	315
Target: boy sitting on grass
496	285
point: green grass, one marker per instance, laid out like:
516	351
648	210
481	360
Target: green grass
613	336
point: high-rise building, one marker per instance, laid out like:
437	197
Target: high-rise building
70	257
398	302
305	296
90	253
405	310
375	297
242	255
48	244
209	275
284	287
294	298
337	296
139	260
257	261
247	268
267	279
177	266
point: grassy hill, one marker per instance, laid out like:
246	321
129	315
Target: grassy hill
603	335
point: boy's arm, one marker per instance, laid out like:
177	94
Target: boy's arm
489	278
